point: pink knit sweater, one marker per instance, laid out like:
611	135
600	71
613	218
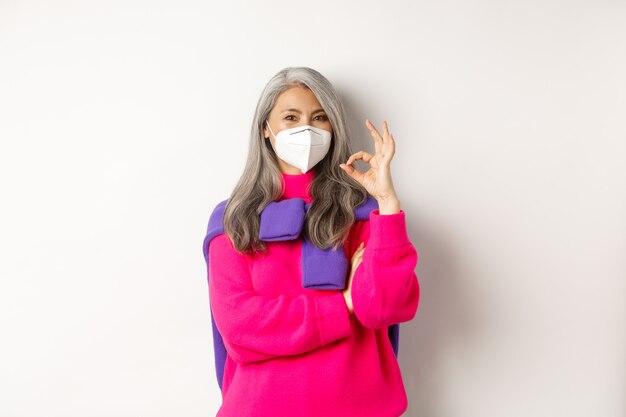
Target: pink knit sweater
294	351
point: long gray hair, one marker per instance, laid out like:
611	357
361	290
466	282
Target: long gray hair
335	194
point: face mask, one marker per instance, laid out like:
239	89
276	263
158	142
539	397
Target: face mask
302	146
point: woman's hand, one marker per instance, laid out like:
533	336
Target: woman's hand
377	180
357	258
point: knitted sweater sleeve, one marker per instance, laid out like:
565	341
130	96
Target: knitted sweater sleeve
385	288
257	327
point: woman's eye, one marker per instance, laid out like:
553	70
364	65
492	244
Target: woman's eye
322	117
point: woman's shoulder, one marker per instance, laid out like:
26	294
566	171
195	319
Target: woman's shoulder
215	229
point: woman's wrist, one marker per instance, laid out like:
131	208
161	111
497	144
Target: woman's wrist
389	205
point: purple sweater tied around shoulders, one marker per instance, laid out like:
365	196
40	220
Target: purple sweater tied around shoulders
322	269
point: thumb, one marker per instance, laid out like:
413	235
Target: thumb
349	170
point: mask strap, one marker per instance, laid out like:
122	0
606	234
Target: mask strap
268	125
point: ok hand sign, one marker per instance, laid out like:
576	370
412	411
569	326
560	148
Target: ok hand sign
377	180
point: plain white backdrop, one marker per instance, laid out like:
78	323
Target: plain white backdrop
123	123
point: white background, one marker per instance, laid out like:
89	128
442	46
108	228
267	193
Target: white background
123	123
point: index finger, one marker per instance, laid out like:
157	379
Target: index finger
378	140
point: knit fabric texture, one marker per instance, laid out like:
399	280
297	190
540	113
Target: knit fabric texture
286	342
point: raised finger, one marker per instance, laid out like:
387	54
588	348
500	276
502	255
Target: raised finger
386	134
388	148
378	140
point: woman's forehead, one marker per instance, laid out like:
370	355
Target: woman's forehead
297	98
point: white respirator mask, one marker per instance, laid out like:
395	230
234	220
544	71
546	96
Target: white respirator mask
302	146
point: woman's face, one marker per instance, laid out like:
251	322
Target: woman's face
294	107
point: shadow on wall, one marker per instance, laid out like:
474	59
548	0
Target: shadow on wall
445	320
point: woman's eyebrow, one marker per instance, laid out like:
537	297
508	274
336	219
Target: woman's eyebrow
298	111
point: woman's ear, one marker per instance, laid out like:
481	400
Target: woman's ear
266	132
